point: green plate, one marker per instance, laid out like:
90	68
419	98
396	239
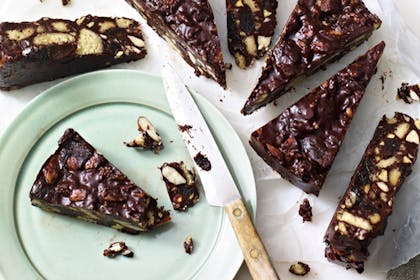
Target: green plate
103	107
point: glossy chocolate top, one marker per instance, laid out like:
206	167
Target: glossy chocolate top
193	22
306	137
76	175
315	31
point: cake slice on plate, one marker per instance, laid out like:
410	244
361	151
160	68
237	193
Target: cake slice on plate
316	32
188	26
302	142
78	181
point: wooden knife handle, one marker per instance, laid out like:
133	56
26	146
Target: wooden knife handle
254	252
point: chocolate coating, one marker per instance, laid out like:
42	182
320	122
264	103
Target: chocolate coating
47	49
387	161
78	181
316	32
188	26
302	142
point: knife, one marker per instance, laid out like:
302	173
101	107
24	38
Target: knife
218	184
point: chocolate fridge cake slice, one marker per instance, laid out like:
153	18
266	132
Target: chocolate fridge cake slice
78	181
188	26
316	32
47	49
250	26
302	142
363	211
409	93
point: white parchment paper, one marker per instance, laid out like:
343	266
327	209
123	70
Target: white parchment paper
287	239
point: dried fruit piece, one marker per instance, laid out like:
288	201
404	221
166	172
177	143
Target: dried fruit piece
118	248
189	245
251	26
148	139
180	184
381	172
305	211
299	268
310	39
409	93
47	49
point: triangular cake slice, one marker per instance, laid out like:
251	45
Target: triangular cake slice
250	27
78	181
302	142
188	26
316	32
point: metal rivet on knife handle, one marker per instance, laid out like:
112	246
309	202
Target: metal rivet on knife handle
254	253
237	212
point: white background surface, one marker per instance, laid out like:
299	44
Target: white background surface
11	103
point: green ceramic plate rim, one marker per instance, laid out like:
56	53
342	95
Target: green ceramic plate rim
8	232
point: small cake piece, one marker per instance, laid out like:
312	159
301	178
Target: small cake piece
302	142
316	32
65	2
189	245
300	269
305	211
188	26
47	49
409	93
250	26
148	139
363	211
118	248
180	184
78	181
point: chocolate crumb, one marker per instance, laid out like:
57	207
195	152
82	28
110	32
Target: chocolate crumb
184	128
65	2
118	248
300	269
228	66
188	245
305	211
202	161
383	81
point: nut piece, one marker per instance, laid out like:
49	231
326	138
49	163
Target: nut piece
188	245
136	41
401	130
353	220
250	45
172	175
394	176
252	5
299	268
383	176
412	137
145	125
386	162
382	186
123	22
105	26
375	218
60	26
148	138
417	123
263	42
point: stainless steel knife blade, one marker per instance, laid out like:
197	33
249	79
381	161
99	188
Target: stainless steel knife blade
217	182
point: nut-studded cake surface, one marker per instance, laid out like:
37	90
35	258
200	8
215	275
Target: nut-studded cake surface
302	142
80	182
250	25
47	49
316	32
363	211
188	26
